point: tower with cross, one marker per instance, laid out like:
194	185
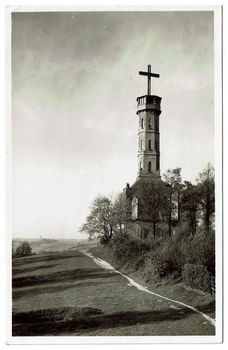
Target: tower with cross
148	112
139	222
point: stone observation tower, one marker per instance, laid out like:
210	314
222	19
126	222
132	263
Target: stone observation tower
148	111
139	222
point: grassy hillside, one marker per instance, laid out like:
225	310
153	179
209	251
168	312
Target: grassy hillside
66	293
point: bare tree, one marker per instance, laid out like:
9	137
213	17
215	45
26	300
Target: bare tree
153	197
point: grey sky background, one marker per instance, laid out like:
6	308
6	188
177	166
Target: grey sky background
74	128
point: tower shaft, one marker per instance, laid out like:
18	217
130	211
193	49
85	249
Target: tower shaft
148	111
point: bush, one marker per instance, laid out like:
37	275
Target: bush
128	249
200	250
124	247
23	249
161	266
183	255
192	258
164	259
196	276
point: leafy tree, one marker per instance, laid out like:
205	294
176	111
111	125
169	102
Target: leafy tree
23	249
206	194
89	227
100	221
120	212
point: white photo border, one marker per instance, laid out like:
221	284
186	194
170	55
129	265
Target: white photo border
217	338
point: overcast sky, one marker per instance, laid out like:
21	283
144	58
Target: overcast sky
74	125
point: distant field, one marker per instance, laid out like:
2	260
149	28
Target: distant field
53	245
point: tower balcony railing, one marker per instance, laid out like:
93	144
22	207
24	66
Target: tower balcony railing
149	100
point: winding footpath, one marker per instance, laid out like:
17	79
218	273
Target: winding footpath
107	266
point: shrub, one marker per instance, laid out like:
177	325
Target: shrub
23	249
139	261
128	249
164	259
124	247
200	250
161	266
171	256
196	276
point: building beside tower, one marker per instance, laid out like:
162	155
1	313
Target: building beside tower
139	223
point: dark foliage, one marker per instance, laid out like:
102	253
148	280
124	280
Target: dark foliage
196	276
23	249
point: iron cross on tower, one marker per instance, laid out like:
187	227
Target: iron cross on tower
149	75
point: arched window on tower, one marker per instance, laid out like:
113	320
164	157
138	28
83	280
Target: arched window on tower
149	123
142	123
156	122
149	167
141	144
149	145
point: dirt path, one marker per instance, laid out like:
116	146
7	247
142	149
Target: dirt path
107	266
68	293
